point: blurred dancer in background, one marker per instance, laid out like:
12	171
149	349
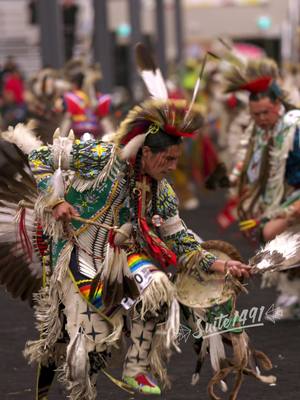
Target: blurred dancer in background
85	107
267	179
13	104
70	12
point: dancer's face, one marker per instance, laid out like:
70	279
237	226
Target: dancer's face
265	112
159	165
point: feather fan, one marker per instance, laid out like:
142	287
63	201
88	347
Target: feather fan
279	254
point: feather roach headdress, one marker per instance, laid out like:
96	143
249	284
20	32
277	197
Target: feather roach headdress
153	116
43	96
91	73
172	117
252	75
256	76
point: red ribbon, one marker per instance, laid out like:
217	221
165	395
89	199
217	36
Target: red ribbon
40	241
156	247
24	238
171	130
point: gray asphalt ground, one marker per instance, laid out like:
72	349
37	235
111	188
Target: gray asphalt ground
281	341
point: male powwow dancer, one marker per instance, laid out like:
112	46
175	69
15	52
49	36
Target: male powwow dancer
267	178
124	229
120	257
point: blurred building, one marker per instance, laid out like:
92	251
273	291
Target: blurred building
271	24
18	37
267	23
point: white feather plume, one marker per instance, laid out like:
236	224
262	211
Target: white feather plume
173	326
77	358
155	84
58	184
62	148
133	146
224	386
216	350
23	137
195	379
108	137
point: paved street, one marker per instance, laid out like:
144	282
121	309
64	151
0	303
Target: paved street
281	341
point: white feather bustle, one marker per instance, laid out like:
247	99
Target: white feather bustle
23	137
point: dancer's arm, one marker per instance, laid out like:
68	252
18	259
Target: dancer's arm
184	244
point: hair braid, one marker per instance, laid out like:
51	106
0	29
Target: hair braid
134	194
154	186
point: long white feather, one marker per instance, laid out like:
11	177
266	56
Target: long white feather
173	325
196	88
216	351
58	184
155	84
195	94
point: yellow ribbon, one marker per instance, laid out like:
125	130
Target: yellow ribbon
248	224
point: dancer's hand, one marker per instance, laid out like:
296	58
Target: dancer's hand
235	268
64	212
295	210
